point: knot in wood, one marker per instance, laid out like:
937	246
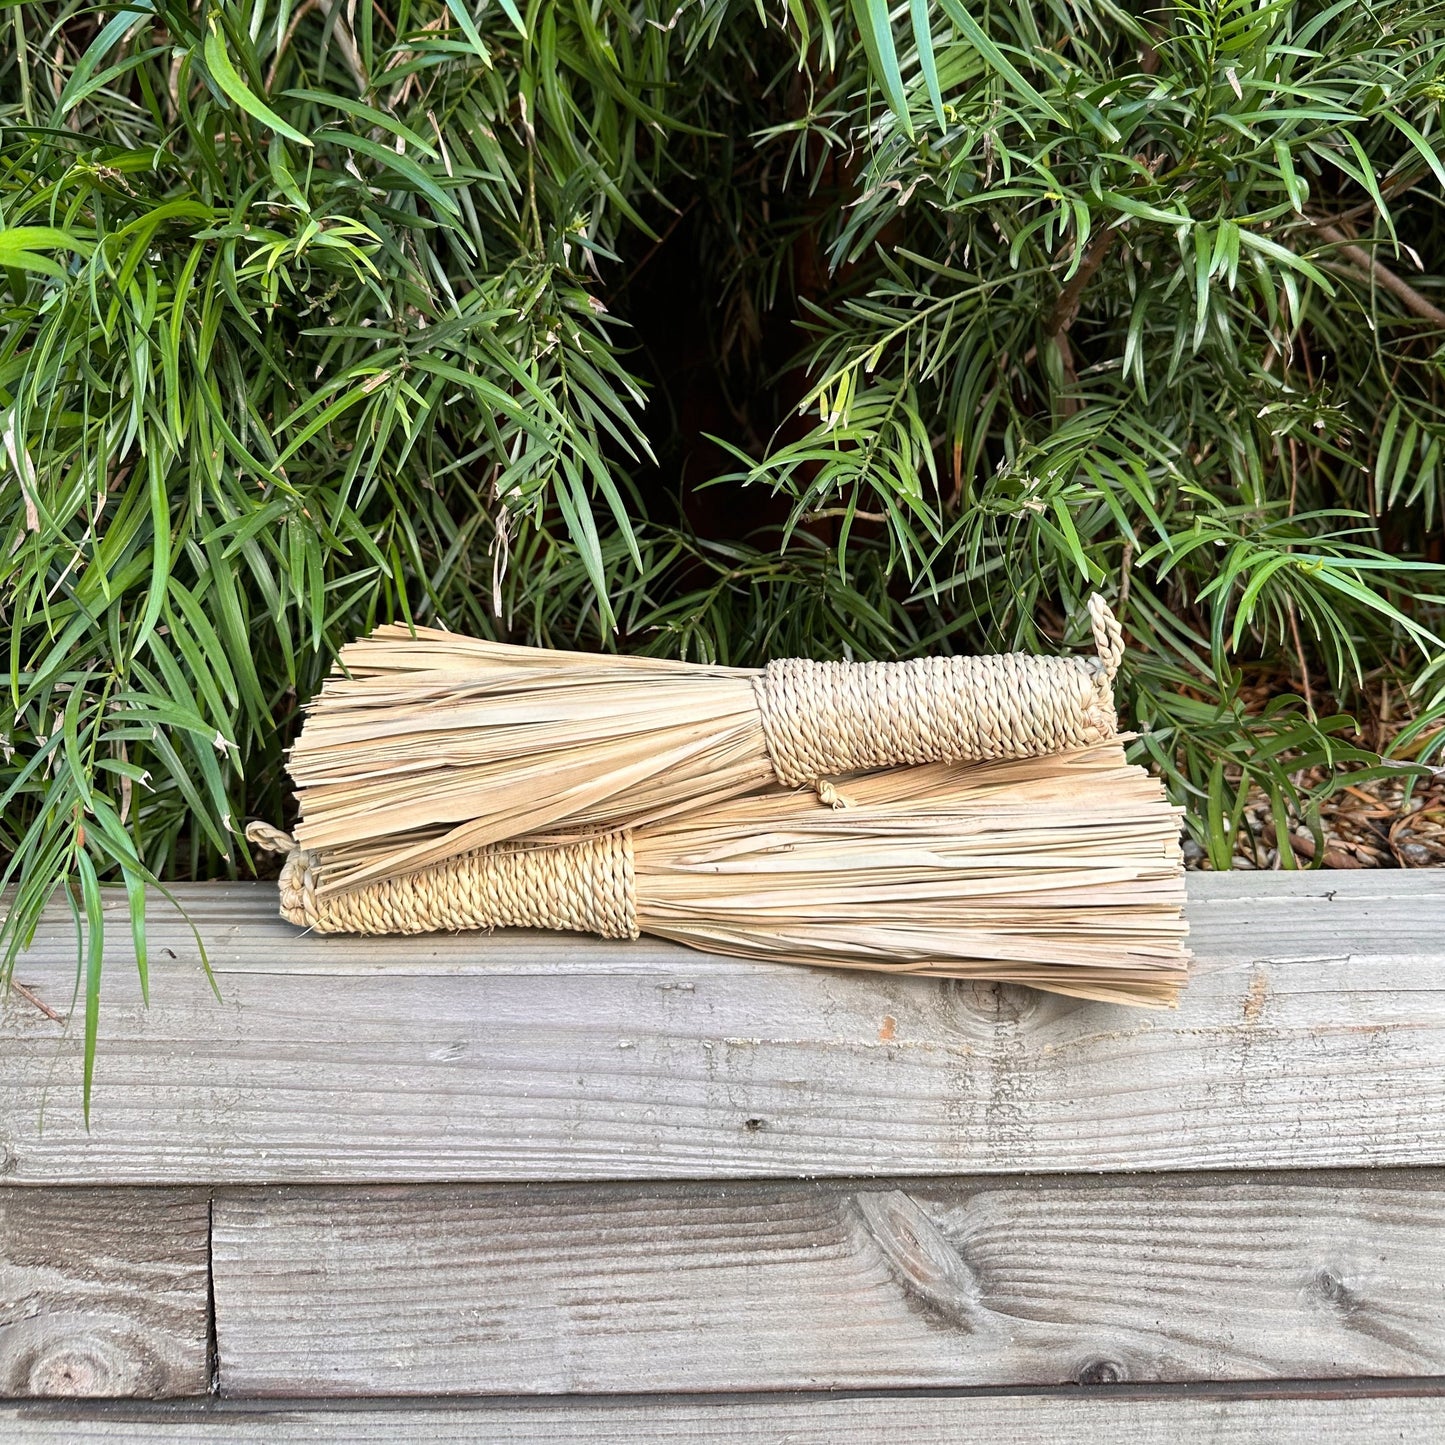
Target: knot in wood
1101	1372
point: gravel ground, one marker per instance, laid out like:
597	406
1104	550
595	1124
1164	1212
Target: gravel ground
1391	822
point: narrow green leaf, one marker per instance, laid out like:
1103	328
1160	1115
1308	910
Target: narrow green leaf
974	33
1422	147
94	955
404	167
923	38
225	74
463	17
111	33
369	113
509	9
875	28
23	247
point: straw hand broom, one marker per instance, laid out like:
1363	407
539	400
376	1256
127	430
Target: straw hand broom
428	745
1062	872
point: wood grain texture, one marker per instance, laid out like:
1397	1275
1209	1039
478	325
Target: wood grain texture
1313	1035
595	1289
103	1292
1071	1418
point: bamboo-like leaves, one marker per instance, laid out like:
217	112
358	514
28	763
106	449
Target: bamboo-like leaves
278	358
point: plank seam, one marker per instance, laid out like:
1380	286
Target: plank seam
213	1353
1364	1387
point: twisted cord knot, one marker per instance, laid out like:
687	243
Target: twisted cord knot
1108	636
269	839
824	719
585	887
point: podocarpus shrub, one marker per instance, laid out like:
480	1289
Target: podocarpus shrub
316	315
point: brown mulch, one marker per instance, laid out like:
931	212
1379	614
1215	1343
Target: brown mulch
1396	821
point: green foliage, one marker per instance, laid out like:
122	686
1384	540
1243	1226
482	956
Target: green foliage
312	316
1153	287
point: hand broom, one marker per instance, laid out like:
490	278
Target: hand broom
1063	872
429	744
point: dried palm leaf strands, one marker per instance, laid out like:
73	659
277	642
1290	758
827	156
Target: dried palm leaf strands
1063	872
494	742
429	745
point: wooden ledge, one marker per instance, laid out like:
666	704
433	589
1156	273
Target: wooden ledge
402	1175
1313	1035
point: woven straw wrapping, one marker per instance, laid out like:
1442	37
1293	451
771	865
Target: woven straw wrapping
1063	872
825	719
583	887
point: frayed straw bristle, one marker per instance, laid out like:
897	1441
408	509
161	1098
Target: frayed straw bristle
1062	872
401	766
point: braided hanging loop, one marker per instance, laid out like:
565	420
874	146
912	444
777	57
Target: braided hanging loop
1108	636
583	887
823	719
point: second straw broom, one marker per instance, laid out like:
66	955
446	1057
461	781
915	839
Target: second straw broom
1063	872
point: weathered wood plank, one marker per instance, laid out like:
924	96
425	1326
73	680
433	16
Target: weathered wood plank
103	1292
1071	1418
595	1289
1313	1035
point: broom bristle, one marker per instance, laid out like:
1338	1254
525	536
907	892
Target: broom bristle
1063	873
435	744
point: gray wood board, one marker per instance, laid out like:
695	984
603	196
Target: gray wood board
1312	1035
753	1286
104	1292
1064	1418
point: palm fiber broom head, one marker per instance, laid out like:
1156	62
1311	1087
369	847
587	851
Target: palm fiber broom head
428	745
1062	872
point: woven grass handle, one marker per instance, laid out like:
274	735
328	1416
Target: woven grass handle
825	719
583	887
